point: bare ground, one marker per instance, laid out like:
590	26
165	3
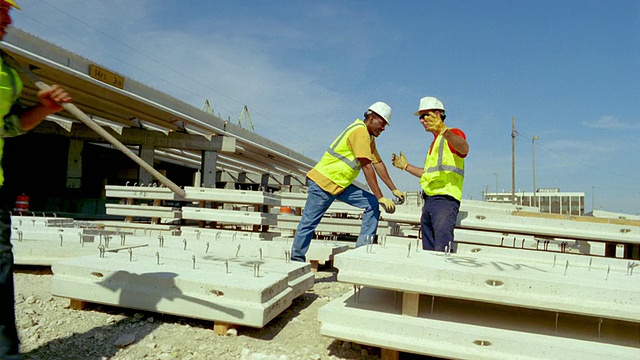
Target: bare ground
49	329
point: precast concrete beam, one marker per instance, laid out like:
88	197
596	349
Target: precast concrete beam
231	196
550	227
224	234
20	221
164	212
522	241
216	291
140	192
556	287
329	224
455	329
229	216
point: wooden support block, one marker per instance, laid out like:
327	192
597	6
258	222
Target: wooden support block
410	303
75	304
388	354
314	265
221	328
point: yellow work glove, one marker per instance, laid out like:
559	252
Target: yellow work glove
399	161
400	195
435	124
387	204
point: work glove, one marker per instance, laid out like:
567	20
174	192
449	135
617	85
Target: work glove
387	204
435	124
400	195
399	161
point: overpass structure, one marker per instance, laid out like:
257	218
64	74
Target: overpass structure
158	127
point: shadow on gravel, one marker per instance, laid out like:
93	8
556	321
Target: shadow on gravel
97	343
352	351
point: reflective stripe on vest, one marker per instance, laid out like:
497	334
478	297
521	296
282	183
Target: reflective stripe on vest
444	174
339	163
10	90
353	164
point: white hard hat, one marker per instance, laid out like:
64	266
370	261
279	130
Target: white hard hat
429	103
381	109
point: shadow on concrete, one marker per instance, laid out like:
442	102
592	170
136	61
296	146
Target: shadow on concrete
135	294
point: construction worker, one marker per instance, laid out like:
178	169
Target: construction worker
441	177
16	120
332	178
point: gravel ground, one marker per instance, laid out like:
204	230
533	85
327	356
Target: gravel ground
50	330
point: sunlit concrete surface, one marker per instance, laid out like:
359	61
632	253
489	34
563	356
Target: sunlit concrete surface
559	259
149	211
238	291
226	234
140	192
452	328
557	287
231	196
229	216
331	225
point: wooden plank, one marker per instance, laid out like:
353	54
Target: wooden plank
410	303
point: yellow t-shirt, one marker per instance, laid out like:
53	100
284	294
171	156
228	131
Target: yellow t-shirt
363	145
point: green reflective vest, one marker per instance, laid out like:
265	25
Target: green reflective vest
443	171
10	90
339	163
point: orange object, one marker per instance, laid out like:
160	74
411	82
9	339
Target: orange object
22	204
286	210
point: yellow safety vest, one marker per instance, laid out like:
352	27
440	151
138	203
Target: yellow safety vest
10	90
339	163
443	171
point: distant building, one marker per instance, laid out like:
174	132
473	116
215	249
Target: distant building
549	200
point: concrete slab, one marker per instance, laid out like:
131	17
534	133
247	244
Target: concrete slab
230	292
219	234
545	257
167	213
229	216
332	225
231	196
469	330
140	192
559	287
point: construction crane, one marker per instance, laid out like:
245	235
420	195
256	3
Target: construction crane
244	120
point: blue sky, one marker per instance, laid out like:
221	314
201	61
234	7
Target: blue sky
568	71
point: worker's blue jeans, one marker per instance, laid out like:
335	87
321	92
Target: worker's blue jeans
9	343
439	215
318	201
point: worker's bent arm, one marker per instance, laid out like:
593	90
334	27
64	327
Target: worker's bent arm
50	100
381	170
370	176
458	142
414	170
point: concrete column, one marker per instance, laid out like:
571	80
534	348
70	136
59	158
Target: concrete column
146	154
208	168
74	164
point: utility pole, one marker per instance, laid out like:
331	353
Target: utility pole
533	156
513	159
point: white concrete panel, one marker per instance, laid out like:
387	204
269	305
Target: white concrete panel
231	196
467	330
224	234
151	211
140	192
560	259
211	291
558	287
330	224
229	216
